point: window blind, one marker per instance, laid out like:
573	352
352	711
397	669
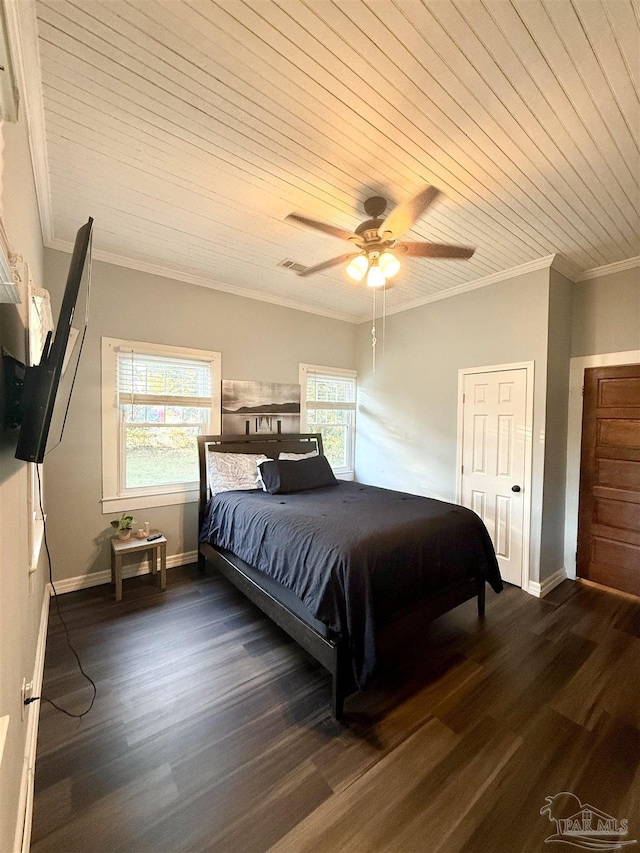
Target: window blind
330	392
162	381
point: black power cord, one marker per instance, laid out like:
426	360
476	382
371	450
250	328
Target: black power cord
64	624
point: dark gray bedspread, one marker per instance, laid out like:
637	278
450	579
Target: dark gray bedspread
355	555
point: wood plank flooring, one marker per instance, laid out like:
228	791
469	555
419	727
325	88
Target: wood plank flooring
212	732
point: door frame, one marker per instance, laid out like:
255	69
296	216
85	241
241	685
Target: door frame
529	367
577	367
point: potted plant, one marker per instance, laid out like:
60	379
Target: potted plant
123	525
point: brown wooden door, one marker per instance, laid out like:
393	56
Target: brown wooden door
609	512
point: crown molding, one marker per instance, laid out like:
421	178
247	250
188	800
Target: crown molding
549	261
22	27
565	267
530	266
201	281
609	269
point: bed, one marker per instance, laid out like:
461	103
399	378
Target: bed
336	567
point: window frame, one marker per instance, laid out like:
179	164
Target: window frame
115	497
342	472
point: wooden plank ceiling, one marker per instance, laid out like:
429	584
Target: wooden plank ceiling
190	128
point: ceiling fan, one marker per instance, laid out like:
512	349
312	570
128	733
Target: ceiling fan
375	238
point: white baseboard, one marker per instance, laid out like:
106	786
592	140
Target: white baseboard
142	568
541	589
25	803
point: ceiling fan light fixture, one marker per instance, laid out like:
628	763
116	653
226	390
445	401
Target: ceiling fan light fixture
375	276
372	237
389	264
358	267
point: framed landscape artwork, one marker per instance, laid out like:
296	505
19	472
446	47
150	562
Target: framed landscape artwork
259	407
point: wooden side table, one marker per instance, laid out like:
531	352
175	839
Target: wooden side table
158	547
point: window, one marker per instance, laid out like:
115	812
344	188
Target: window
329	407
156	401
39	323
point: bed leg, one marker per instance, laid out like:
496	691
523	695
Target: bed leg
482	588
202	562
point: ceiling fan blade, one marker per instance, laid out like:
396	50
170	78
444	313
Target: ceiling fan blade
342	233
433	250
407	213
341	259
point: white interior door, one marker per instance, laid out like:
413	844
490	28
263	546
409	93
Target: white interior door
493	460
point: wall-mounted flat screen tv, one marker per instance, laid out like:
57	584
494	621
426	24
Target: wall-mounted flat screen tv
42	381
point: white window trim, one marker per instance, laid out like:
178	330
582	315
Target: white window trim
36	518
112	500
342	473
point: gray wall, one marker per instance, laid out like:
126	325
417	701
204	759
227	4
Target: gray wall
408	408
257	340
606	314
555	463
20	607
407	412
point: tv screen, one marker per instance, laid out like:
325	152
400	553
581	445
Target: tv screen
41	382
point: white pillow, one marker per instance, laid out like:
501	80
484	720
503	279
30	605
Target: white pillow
229	472
294	457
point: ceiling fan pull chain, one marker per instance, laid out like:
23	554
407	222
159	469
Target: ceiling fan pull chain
384	317
373	333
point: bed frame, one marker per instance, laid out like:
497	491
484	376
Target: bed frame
330	651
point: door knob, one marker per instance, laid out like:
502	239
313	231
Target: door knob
515	488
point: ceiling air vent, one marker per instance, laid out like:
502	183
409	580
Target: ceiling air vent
292	265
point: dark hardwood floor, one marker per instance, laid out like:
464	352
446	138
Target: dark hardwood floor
211	731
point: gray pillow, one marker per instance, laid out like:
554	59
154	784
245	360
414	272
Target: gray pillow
282	477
